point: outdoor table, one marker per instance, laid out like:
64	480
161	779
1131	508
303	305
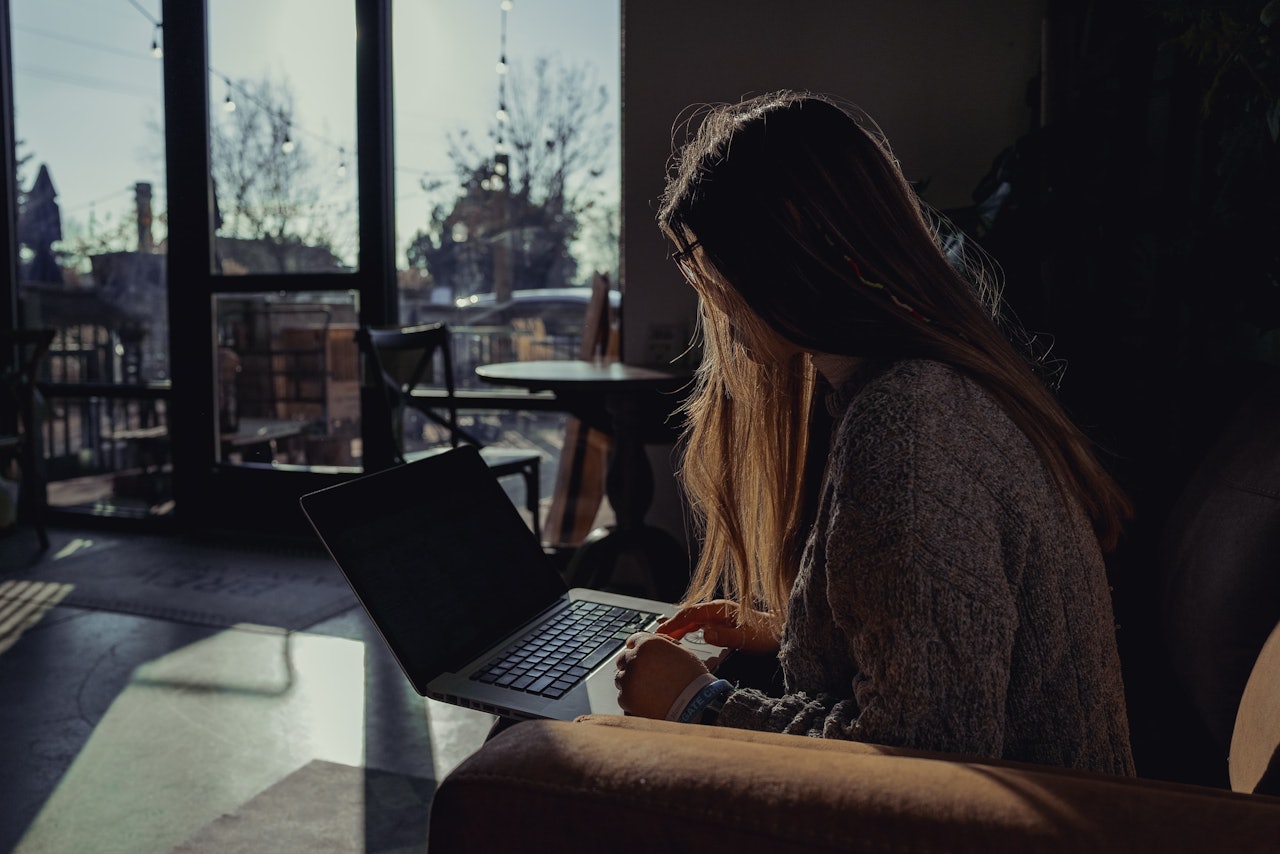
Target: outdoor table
633	405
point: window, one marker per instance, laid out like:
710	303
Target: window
90	148
507	117
507	185
507	148
282	135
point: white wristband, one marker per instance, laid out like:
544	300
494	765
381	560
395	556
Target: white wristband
690	691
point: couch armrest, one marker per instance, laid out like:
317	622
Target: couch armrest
647	785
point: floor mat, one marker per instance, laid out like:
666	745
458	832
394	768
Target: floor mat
193	581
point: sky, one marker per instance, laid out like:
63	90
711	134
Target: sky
88	91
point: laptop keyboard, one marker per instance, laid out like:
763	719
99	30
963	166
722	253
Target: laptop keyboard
560	652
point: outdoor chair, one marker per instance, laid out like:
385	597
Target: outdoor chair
403	361
19	432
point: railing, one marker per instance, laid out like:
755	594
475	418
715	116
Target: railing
96	426
481	345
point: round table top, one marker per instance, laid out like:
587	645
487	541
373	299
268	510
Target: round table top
578	375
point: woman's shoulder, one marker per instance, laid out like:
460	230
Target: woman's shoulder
920	374
921	402
910	384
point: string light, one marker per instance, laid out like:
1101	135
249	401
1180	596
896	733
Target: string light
498	180
236	92
156	50
228	103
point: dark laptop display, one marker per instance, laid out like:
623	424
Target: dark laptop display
439	557
452	576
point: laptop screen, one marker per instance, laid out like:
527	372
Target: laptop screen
439	557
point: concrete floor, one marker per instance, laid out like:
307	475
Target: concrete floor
131	734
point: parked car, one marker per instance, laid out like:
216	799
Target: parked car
563	311
545	323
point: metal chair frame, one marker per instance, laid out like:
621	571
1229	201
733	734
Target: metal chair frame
401	359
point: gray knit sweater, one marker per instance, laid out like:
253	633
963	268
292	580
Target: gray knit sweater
947	599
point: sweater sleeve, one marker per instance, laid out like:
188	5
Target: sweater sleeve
910	556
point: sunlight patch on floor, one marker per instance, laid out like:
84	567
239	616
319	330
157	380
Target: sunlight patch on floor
23	603
201	731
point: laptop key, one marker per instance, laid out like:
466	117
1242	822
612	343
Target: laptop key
602	652
541	685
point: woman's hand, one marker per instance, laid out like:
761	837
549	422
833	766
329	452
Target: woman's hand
652	671
721	625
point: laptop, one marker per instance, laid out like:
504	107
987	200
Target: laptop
456	583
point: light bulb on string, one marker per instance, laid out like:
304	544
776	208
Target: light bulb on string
342	163
501	67
506	5
156	50
502	115
287	145
228	105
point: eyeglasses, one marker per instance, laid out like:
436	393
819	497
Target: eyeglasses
680	256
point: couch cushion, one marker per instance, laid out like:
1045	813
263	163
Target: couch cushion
1221	559
1255	742
603	783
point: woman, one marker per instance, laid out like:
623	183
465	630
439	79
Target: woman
889	497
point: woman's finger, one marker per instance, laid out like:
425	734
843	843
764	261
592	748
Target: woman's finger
696	617
726	636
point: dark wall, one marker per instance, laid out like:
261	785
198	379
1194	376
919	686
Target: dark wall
1139	231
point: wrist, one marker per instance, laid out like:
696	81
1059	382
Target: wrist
713	693
711	713
686	696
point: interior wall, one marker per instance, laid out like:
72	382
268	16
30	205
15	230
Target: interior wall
946	80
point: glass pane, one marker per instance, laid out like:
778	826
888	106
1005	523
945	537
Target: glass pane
507	116
282	117
108	455
88	102
507	148
288	384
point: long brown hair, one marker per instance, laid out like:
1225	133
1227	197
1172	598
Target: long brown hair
793	220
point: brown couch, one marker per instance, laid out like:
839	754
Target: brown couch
625	784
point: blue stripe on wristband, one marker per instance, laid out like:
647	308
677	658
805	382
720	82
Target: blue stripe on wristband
677	705
717	689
